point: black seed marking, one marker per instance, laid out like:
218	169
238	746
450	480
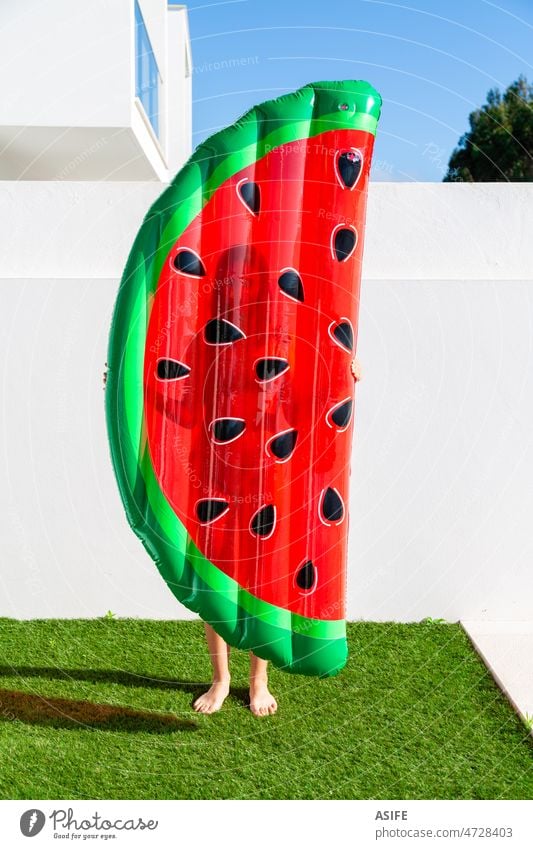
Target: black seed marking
262	523
291	283
218	331
305	576
209	509
189	263
349	164
224	430
270	367
171	369
343	333
344	243
342	414
251	196
332	506
282	446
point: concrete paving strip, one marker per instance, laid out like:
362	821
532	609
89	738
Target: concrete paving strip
507	650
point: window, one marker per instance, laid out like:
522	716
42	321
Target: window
146	71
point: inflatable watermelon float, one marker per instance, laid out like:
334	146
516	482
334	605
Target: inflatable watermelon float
230	398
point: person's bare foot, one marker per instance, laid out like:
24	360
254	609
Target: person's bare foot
213	700
262	702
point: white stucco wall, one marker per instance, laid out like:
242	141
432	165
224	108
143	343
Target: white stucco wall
442	493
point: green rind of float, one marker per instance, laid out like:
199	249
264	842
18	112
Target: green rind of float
291	641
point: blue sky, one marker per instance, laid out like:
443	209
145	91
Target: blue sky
433	62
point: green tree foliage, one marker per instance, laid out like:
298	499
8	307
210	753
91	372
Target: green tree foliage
499	145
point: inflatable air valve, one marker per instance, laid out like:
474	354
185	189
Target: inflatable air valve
229	397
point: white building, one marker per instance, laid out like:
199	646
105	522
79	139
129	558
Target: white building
94	91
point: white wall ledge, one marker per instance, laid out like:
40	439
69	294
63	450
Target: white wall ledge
415	231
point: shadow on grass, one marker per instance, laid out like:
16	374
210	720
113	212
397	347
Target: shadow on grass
107	676
71	713
119	676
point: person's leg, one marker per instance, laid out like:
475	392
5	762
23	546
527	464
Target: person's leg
219	653
262	702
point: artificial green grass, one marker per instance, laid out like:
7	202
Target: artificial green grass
102	709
